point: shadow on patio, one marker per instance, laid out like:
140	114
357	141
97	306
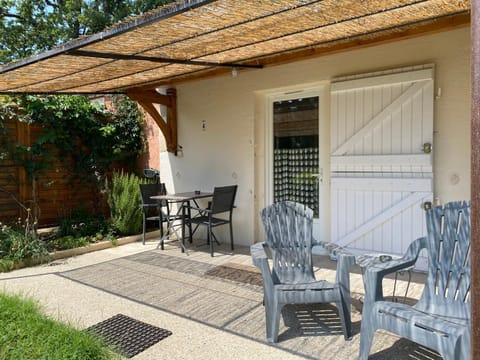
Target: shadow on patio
225	293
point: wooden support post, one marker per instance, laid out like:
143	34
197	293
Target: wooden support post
147	100
475	181
172	119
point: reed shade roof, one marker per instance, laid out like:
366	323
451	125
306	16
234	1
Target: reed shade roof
198	38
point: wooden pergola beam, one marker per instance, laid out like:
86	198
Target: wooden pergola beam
147	100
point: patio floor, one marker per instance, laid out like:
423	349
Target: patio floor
213	306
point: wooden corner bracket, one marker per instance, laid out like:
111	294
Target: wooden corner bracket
147	100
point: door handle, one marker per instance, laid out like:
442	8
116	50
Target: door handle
427	205
318	176
427	148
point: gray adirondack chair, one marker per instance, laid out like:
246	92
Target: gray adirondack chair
440	320
288	231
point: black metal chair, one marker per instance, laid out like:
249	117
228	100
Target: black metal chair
152	209
153	174
223	200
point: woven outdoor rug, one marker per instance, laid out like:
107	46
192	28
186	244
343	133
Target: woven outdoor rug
229	297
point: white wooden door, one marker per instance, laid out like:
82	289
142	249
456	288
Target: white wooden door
381	160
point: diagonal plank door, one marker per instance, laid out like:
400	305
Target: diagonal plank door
381	160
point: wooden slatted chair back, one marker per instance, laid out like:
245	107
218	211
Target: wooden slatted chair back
288	230
447	290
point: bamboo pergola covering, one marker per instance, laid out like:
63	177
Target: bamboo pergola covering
222	34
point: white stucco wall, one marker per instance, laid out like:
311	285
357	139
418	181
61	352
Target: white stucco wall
224	153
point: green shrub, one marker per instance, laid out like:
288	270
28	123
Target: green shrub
6	265
80	223
17	244
124	201
80	229
67	242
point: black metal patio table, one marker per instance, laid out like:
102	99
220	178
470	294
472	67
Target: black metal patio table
183	212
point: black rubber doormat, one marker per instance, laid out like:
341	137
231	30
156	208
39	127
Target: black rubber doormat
127	335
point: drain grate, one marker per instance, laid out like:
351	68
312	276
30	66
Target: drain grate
128	335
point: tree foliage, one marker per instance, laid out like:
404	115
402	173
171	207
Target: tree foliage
28	27
90	138
76	133
85	137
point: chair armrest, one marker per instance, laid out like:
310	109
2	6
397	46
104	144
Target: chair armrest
200	212
324	248
149	205
258	253
329	249
375	273
260	260
406	261
345	261
200	209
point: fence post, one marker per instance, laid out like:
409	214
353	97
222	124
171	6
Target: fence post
24	186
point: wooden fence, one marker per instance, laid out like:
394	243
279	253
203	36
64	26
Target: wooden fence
57	192
10	175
